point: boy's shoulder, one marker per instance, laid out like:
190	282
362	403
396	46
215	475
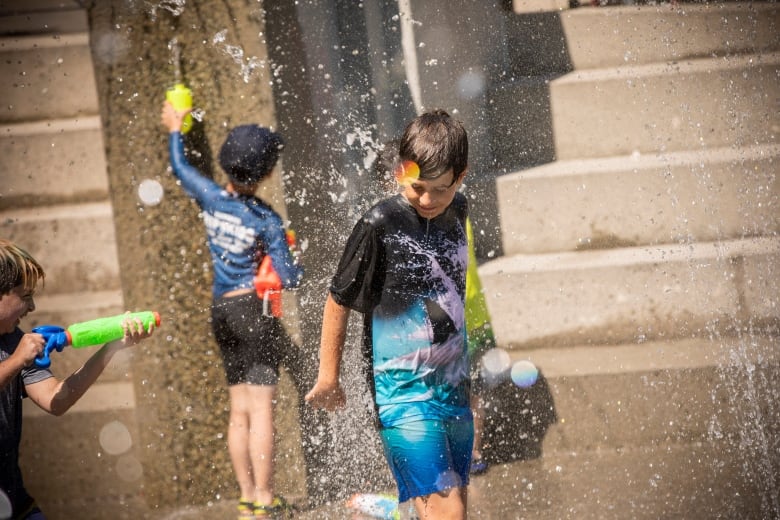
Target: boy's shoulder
396	206
385	209
260	207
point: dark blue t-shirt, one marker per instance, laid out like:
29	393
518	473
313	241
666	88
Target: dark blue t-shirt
407	274
11	423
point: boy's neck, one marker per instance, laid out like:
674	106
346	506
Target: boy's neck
241	189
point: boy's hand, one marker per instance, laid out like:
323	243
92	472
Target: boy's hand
29	347
171	119
328	397
134	331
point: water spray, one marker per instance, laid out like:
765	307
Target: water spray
179	95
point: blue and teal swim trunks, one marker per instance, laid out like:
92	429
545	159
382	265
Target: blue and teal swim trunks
429	456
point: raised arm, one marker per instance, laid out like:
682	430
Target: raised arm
327	392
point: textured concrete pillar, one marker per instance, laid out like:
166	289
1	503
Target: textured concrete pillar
182	402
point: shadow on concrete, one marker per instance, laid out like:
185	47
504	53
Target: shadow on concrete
516	420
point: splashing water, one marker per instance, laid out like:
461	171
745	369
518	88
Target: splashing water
747	387
248	65
175	7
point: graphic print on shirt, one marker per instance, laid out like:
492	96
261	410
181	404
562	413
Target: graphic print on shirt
228	232
418	327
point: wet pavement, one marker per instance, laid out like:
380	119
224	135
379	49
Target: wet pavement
668	481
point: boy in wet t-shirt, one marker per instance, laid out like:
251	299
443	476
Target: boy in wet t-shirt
404	268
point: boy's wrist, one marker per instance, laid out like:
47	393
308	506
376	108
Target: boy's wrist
328	380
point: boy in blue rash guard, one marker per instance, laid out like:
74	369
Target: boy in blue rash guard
404	268
242	230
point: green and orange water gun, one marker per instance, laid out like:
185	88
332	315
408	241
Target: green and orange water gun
89	333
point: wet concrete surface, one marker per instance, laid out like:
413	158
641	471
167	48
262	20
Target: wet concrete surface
669	481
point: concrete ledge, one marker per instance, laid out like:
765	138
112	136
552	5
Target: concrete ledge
631	294
538	6
101	397
66	308
106	441
55	162
613	397
702	196
684	354
30	18
661	107
616	36
32	6
76	244
663	406
48	83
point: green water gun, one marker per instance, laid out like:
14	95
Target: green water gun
89	333
179	95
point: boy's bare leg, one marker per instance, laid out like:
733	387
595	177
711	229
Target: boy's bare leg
446	505
251	439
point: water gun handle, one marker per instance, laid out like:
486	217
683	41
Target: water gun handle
55	340
269	287
180	97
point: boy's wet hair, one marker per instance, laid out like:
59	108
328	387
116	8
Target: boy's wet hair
250	153
18	267
436	142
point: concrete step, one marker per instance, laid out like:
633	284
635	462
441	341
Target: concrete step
42	17
106	440
633	294
32	6
641	394
52	162
76	244
46	78
701	196
608	37
688	105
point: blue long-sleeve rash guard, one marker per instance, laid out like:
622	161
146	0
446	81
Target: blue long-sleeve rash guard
241	229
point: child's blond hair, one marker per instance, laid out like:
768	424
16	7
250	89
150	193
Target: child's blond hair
18	267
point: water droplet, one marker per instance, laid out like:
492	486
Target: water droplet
150	192
115	438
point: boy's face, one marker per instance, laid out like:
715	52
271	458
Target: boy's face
13	307
431	197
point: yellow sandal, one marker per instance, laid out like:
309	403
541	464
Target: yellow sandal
246	510
278	508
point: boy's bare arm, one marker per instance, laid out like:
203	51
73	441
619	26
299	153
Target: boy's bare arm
56	397
327	392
